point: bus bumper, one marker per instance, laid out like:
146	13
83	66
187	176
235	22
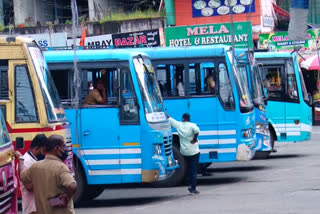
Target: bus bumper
164	165
263	143
246	149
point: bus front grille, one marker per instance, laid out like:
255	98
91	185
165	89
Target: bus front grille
7	191
168	145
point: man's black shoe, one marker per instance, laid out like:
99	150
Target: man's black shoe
193	191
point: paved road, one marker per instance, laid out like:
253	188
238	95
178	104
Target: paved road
288	183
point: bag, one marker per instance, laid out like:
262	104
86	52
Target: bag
59	201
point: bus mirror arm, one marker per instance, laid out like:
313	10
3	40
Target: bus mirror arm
310	99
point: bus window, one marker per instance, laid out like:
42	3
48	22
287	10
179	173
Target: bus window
129	108
225	88
292	88
61	78
202	78
110	79
25	105
171	87
272	80
4	91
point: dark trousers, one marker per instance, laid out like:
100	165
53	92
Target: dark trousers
192	164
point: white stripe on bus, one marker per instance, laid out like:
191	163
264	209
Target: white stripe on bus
113	161
115	172
217	132
216	141
110	151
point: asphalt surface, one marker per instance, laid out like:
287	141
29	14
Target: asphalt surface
288	182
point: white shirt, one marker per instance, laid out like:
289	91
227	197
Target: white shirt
28	202
186	132
180	89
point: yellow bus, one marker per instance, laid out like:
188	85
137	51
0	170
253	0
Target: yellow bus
28	97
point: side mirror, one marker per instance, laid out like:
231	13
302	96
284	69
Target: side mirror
19	143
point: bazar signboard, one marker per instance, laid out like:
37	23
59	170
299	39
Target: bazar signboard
94	42
279	41
210	34
205	8
149	38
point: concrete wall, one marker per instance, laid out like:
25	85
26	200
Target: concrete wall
98	9
32	11
94	29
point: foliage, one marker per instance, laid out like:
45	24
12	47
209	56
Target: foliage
120	16
67	22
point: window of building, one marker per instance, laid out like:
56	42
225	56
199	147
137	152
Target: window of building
25	108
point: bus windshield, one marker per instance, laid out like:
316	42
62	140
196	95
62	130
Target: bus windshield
55	112
242	85
4	135
150	90
303	86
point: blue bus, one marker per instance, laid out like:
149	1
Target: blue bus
203	82
126	140
289	109
250	72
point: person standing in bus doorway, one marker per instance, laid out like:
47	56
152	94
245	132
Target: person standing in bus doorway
52	182
36	153
97	96
189	147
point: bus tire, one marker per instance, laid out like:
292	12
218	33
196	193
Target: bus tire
93	191
176	176
81	182
264	155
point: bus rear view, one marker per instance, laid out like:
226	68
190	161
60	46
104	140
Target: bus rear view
288	109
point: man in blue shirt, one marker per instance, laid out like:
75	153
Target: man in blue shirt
189	147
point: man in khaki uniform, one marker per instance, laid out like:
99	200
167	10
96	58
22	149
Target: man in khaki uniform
50	178
97	96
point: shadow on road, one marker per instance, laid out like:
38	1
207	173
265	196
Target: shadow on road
219	181
238	169
123	202
287	156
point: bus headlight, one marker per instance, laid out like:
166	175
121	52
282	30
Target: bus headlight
157	149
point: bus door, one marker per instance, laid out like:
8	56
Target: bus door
171	78
292	104
273	73
227	116
100	126
203	106
130	136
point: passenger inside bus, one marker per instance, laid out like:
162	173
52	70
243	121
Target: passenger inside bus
180	87
211	84
97	96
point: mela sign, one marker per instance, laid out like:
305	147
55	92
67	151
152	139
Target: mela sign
210	34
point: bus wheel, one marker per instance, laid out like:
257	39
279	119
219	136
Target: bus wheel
176	176
93	192
81	183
